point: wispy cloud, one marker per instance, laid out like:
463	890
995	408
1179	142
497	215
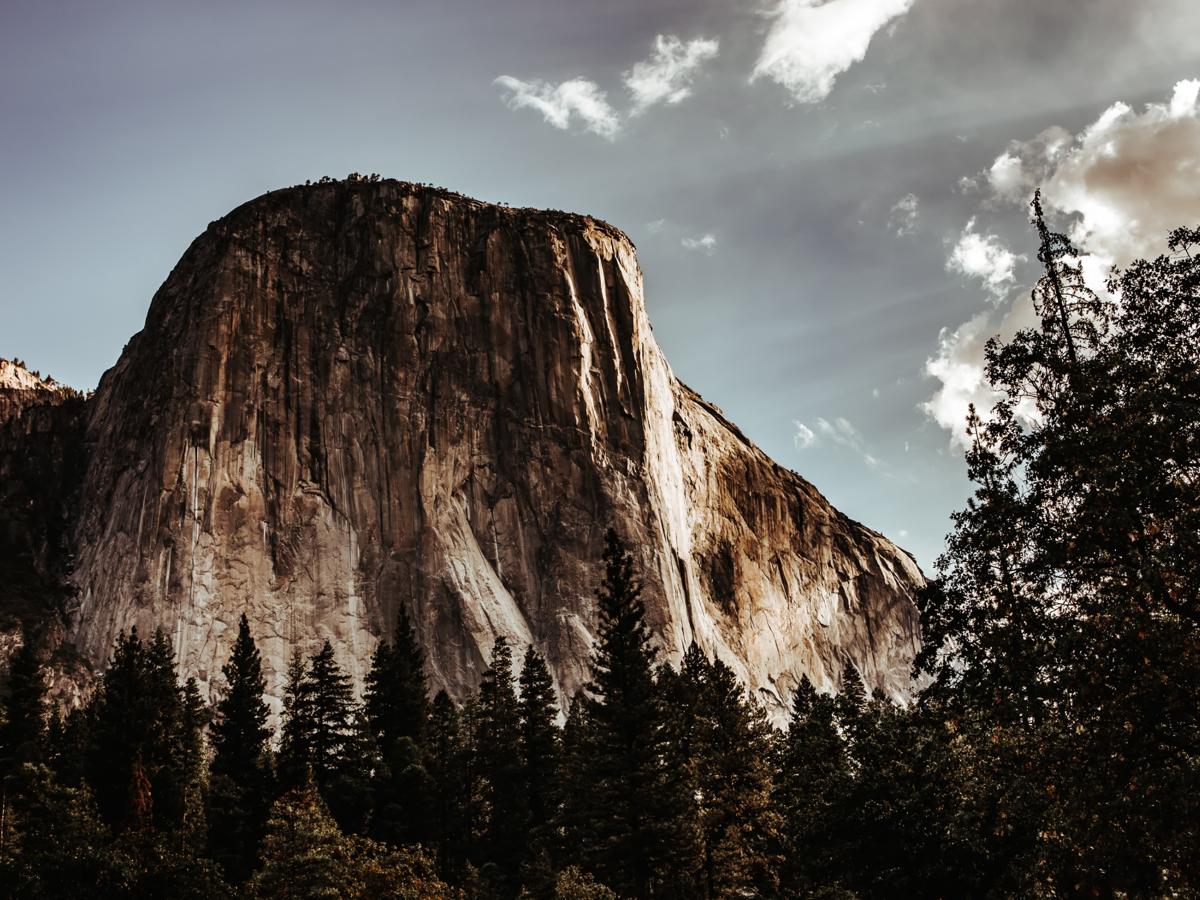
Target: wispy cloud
984	256
667	76
811	42
838	432
707	243
560	104
804	436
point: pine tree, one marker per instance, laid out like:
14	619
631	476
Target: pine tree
325	735
541	753
295	750
737	825
241	776
812	781
23	732
137	721
450	823
397	707
397	691
498	753
631	833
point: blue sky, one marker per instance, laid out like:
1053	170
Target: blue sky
827	198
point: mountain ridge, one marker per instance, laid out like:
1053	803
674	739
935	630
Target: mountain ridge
322	418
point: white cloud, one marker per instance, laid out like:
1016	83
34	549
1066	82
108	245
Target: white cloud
667	76
905	214
811	42
1017	172
983	256
563	103
707	243
656	226
838	432
804	437
1123	183
958	365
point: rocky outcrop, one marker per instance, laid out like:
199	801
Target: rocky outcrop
355	397
42	460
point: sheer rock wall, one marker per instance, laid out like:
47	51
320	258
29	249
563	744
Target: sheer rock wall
351	397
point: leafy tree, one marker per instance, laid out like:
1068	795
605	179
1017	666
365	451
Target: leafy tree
55	844
305	855
1063	627
240	789
575	884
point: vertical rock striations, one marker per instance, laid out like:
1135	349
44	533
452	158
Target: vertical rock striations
353	397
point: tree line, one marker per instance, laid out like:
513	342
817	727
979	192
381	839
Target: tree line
1052	750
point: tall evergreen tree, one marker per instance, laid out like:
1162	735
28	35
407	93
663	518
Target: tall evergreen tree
241	777
295	750
498	751
137	722
324	735
23	728
541	752
449	764
738	828
631	837
397	708
813	778
397	690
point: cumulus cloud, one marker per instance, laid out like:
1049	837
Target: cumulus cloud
667	76
561	104
984	256
905	214
811	42
1124	181
958	365
706	243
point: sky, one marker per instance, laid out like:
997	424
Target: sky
829	199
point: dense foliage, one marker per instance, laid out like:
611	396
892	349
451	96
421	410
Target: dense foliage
1052	751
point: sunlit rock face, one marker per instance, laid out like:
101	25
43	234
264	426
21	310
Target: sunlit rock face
356	397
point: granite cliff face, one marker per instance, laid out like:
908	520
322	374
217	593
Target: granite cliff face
354	397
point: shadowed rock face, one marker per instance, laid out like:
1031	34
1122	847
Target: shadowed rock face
353	398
